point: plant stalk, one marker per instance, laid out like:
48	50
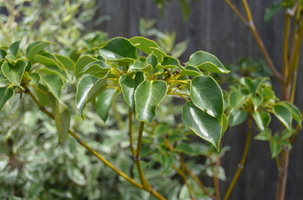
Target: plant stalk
107	163
241	165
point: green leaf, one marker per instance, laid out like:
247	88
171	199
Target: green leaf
207	61
13	48
87	87
35	47
207	95
41	93
54	83
104	102
14	73
185	148
82	62
167	162
180	48
275	148
46	59
11	59
237	117
262	119
191	71
204	125
271	11
148	95
264	135
283	114
143	44
65	61
75	175
35	78
268	94
159	53
3	54
169	62
5	95
48	70
119	49
256	100
95	67
128	86
61	117
185	10
256	84
137	65
295	112
247	82
161	129
225	123
235	100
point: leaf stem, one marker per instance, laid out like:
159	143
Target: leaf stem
241	164
181	172
130	133
107	163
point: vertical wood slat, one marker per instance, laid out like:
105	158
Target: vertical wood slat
213	27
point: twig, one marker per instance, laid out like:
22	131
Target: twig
241	164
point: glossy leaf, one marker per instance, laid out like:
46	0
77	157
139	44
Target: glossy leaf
275	148
283	114
14	73
237	117
256	84
262	119
3	53
148	95
137	65
191	71
295	112
271	11
225	123
5	95
235	100
159	53
128	86
87	87
82	62
42	94
65	61
13	48
264	135
119	49
167	162
54	83
46	59
207	95
48	70
207	61
35	78
247	82
61	116
104	102
256	101
170	62
204	125
143	44
95	67
184	148
35	47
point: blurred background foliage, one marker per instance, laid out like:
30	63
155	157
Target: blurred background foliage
34	166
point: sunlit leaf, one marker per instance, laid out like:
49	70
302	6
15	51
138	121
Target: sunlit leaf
5	95
283	114
35	47
104	102
54	83
14	73
207	62
207	95
237	117
148	95
82	62
262	119
204	125
143	44
13	48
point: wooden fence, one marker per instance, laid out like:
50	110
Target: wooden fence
213	27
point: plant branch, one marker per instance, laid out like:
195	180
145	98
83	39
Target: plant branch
285	44
233	7
215	177
259	41
107	163
130	133
294	81
190	173
183	175
137	158
241	165
298	34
